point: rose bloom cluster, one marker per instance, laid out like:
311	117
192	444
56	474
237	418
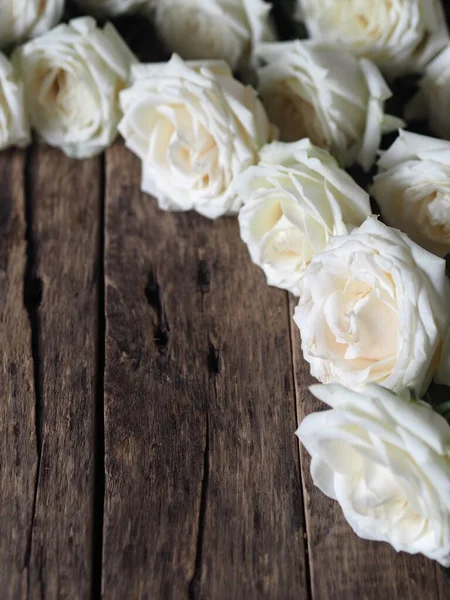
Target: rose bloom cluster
373	296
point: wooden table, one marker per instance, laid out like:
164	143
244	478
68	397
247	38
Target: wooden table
151	383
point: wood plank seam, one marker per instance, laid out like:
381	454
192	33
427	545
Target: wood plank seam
303	491
98	499
33	291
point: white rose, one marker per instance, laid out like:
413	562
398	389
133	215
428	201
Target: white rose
72	77
111	8
195	128
386	460
400	36
23	19
374	307
294	200
14	128
413	190
433	100
323	92
227	29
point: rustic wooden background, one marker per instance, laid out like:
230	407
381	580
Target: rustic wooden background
150	386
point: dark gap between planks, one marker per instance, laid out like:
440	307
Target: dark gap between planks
32	297
99	422
302	486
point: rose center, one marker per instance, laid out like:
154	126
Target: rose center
438	212
192	153
65	100
295	116
354	316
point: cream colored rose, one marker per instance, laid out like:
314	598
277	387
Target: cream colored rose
374	307
323	92
72	77
23	19
433	100
400	36
294	200
112	8
14	128
195	128
227	29
413	190
386	460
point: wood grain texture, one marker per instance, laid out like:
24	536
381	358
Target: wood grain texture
202	481
65	208
155	384
342	565
18	448
253	543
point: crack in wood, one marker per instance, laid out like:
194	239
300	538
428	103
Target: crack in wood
161	332
203	276
214	359
195	582
33	291
214	368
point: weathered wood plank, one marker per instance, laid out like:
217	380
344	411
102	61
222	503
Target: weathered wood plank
202	480
253	544
155	392
443	583
18	450
343	566
65	199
